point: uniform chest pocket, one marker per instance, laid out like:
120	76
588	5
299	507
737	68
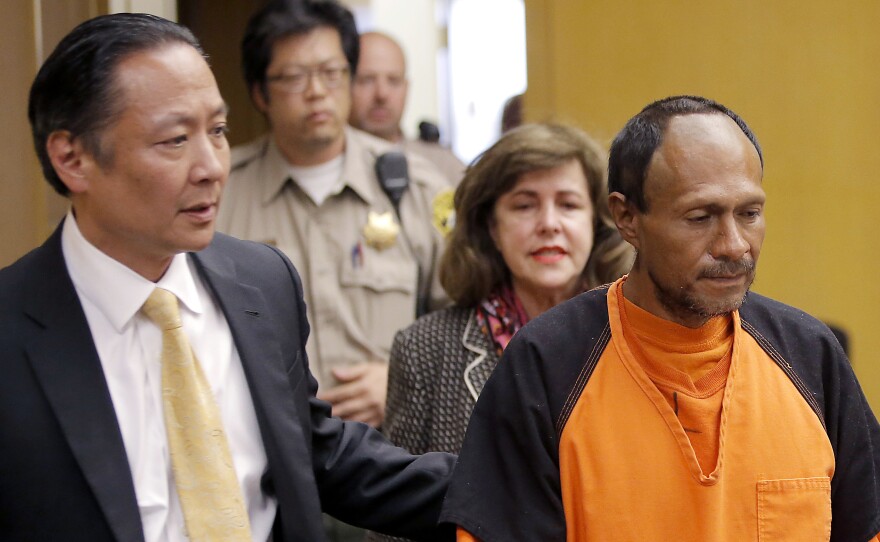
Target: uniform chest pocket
382	276
382	296
796	509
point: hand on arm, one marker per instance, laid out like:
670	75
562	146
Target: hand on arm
361	392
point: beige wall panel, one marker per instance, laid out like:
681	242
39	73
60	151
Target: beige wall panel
29	208
20	203
803	74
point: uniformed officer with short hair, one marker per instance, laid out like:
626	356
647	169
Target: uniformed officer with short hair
310	187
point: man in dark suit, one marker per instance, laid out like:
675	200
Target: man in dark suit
129	124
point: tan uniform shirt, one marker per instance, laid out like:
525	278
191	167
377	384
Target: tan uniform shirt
449	165
358	295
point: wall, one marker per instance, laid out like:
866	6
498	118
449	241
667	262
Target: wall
29	208
803	74
164	8
20	197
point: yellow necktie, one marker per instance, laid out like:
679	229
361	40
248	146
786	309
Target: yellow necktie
213	506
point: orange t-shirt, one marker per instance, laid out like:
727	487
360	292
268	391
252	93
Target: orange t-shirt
689	368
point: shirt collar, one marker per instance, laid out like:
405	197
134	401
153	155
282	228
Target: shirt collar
115	290
357	169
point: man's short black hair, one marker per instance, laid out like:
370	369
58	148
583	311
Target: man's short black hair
635	145
75	88
279	19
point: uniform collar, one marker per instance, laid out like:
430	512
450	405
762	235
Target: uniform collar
358	173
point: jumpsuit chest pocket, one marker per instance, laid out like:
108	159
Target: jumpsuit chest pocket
796	509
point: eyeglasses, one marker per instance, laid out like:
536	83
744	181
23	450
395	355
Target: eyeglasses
296	82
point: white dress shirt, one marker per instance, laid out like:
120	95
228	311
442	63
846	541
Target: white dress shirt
129	346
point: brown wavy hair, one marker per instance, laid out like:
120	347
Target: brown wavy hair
472	267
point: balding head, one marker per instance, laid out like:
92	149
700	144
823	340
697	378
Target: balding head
380	86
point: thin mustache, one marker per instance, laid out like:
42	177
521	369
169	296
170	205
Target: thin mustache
726	269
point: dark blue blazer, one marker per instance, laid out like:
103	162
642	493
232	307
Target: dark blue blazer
64	473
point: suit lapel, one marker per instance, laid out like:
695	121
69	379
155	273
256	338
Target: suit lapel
483	358
256	337
250	322
66	363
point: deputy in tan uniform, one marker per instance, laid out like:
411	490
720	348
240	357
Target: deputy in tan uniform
310	188
378	97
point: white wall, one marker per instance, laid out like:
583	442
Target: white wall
487	59
162	8
465	59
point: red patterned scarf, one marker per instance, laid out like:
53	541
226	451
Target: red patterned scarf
500	316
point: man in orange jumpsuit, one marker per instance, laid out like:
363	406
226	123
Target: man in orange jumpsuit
674	404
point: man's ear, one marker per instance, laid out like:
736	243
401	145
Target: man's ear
258	97
69	160
626	217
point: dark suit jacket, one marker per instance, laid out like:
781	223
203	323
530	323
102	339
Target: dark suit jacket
64	474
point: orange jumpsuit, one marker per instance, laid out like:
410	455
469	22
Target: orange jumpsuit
603	422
